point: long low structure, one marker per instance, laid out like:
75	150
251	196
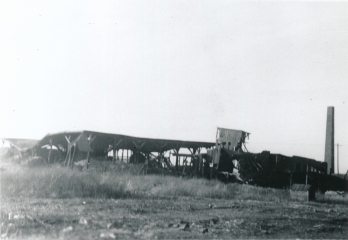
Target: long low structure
89	141
223	158
100	144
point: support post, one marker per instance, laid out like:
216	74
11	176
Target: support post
69	159
211	170
160	156
115	147
87	160
122	155
72	159
177	159
307	176
68	149
49	153
338	169
194	150
203	166
113	150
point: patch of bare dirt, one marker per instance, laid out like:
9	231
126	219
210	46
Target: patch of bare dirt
170	218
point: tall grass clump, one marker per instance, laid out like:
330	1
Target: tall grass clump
58	182
332	197
61	182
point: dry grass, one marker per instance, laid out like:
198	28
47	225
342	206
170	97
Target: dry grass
61	182
332	198
120	180
113	201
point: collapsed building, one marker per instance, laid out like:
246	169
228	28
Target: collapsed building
230	157
226	159
75	146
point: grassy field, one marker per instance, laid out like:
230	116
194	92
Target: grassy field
112	201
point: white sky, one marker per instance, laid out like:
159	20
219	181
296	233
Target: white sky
177	70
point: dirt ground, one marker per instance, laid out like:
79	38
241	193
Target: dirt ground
169	218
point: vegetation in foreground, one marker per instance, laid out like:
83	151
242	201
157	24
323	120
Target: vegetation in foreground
62	182
119	180
58	202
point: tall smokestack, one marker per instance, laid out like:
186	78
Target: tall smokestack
330	140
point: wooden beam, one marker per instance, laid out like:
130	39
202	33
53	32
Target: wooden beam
92	139
49	153
67	138
114	149
142	145
177	158
182	155
160	159
160	146
87	160
68	153
136	145
117	144
72	159
113	155
163	145
139	146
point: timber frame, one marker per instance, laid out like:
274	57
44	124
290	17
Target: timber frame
136	149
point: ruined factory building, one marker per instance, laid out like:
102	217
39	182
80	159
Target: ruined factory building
100	144
265	169
226	159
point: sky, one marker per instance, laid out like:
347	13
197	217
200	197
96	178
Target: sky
177	70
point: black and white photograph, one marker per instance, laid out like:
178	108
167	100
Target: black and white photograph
173	119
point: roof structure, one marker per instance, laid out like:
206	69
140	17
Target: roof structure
97	141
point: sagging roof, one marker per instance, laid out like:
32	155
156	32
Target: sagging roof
97	141
21	144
